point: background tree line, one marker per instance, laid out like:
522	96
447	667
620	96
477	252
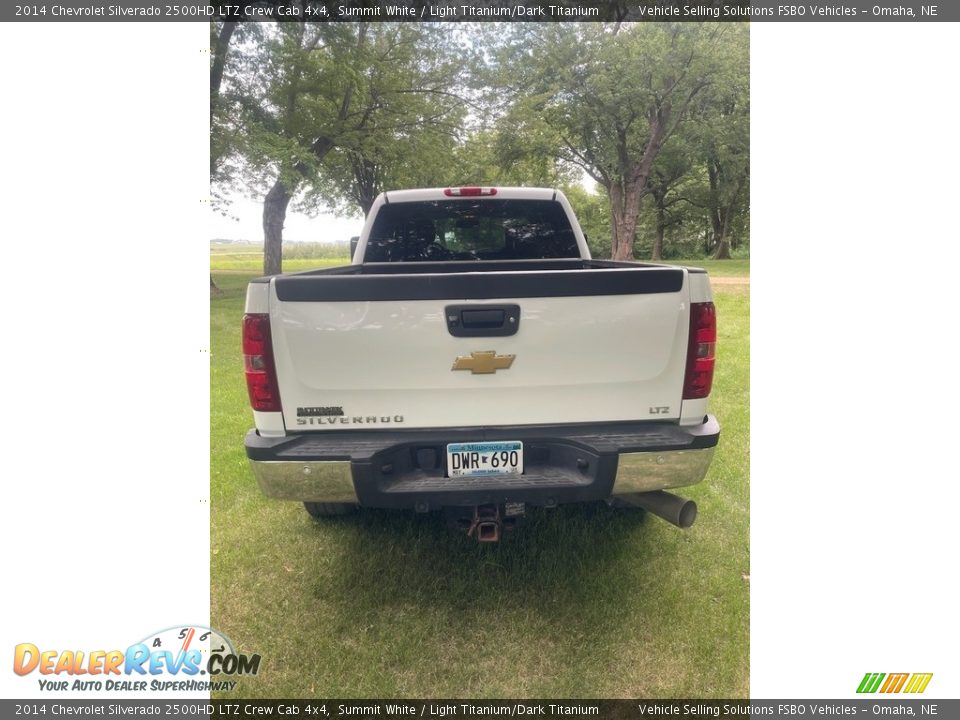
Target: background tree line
326	116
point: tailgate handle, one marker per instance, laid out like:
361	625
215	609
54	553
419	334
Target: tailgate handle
482	320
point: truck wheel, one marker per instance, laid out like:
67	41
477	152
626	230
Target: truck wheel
322	510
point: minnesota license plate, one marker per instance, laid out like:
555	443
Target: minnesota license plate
485	458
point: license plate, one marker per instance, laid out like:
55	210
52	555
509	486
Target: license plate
485	458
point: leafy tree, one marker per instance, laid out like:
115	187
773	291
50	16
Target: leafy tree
672	171
613	95
413	119
329	96
728	150
329	115
719	134
593	213
220	35
297	106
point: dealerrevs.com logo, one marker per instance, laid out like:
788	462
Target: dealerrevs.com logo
894	682
183	659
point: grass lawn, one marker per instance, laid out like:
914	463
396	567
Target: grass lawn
739	267
581	601
251	264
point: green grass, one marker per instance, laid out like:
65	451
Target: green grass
738	267
248	257
251	263
581	601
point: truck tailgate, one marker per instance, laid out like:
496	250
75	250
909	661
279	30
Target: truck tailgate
357	354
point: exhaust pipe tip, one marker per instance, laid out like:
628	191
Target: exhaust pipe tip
687	514
672	508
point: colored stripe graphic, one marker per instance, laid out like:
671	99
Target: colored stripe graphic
918	683
902	681
870	682
894	682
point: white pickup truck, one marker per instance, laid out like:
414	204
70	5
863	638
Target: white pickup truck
474	358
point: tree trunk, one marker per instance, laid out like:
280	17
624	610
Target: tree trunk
721	225
220	57
723	250
626	194
274	214
616	213
661	224
624	208
721	213
219	62
366	181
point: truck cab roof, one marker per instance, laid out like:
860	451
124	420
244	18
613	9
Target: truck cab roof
473	191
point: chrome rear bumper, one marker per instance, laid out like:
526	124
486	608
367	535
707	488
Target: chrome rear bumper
309	481
566	464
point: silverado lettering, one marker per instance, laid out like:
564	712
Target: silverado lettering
356	420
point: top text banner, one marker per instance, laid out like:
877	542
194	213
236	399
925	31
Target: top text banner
496	10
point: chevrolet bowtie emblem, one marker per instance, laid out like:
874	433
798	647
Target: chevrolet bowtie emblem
483	362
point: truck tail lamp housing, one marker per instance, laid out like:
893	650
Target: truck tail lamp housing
701	351
258	363
469	191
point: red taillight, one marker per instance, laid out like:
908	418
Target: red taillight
469	191
258	364
701	350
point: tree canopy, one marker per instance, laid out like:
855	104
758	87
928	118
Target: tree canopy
655	114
